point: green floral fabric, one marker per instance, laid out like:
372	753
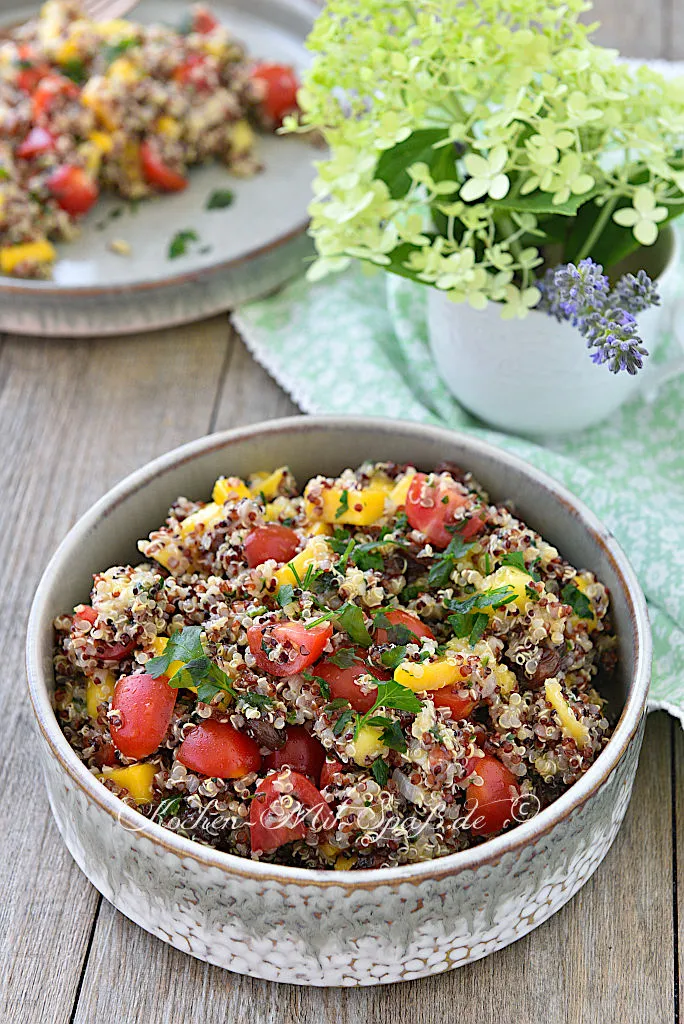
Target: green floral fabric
357	343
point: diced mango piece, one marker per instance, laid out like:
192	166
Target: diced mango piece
36	252
168	126
215	44
583	585
68	51
398	493
230	488
315	552
570	726
115	28
102	140
319	529
267	484
278	509
124	70
203	519
431	675
508	576
137	779
368	745
90	97
241	138
159	646
99	689
357	508
344	863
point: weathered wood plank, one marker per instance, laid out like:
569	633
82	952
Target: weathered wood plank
249	394
74	418
637	28
678	835
674	26
607	956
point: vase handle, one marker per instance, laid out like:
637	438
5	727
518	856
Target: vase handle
655	378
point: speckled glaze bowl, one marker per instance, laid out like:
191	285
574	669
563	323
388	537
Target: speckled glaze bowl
313	927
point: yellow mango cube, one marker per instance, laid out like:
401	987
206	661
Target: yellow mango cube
37	252
570	726
159	646
68	51
241	139
368	745
99	690
137	779
430	675
398	493
168	126
267	484
230	488
315	552
124	70
508	576
342	506
203	519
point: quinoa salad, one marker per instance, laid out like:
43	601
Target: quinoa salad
114	106
377	669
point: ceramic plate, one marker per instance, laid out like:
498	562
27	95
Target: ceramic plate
245	251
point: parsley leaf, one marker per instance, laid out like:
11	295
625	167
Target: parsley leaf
350	619
196	670
322	683
380	771
342	722
444	564
364	557
394	657
345	657
516	559
285	595
393	695
343	505
495	597
219	199
335	705
579	602
469	624
178	246
113	50
75	70
256	700
169	807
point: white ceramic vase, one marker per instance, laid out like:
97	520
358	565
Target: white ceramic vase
535	376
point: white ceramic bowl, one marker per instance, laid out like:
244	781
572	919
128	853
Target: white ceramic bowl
337	928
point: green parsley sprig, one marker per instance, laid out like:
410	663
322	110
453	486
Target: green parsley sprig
197	669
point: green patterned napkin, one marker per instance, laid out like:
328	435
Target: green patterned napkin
357	343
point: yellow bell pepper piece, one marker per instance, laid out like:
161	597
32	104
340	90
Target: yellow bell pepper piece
203	519
429	675
137	779
356	508
368	745
570	726
99	690
508	576
230	488
267	484
315	552
241	139
159	646
398	493
37	252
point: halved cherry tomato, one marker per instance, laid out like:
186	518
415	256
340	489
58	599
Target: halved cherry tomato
156	172
398	617
218	750
47	91
342	681
266	832
29	73
39	140
329	770
116	652
447	697
491	803
87	612
74	189
281	89
301	752
304	646
194	71
430	508
203	21
145	706
270	541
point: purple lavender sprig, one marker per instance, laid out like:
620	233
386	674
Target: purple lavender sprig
582	296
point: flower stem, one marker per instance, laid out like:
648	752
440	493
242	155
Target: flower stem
595	233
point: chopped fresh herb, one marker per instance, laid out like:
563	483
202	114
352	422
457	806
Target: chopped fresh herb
345	557
495	597
380	621
579	602
285	595
288	521
342	722
343	505
413	591
4	174
445	563
365	558
398	633
531	593
393	657
256	700
393	695
293	569
322	683
220	199
324	581
335	705
345	657
178	245
75	70
350	619
469	624
488	563
196	670
169	807
516	559
114	50
400	522
392	736
380	771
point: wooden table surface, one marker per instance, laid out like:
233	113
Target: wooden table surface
76	417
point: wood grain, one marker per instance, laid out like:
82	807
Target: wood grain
677	782
74	418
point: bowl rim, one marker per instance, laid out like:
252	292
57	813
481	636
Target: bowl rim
493	850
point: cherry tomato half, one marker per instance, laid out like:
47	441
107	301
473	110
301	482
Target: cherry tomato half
492	803
270	541
448	697
329	770
203	21
156	172
301	752
145	706
281	89
195	70
86	612
74	189
218	750
46	92
30	73
430	507
302	645
39	140
266	830
343	684
398	617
